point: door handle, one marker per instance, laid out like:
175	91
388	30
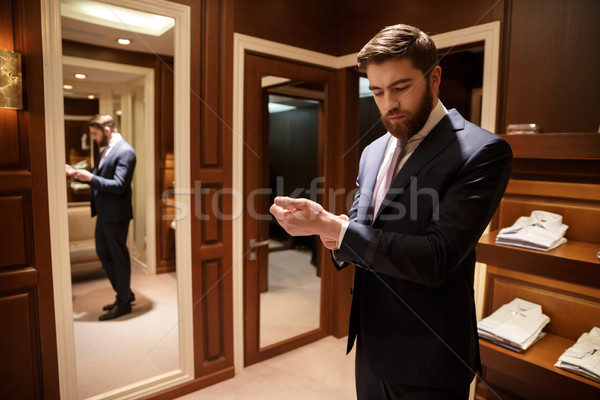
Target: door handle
254	243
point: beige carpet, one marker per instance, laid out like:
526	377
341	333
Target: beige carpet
318	371
111	354
136	346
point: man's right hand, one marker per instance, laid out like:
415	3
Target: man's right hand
69	171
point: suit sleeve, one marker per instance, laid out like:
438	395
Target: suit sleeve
465	209
120	181
352	216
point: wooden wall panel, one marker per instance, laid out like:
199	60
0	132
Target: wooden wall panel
212	302
360	21
15	245
211	173
309	24
9	139
29	366
553	65
19	378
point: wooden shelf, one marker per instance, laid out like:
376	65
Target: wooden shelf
564	146
573	261
536	364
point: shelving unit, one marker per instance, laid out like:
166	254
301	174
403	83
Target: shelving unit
559	173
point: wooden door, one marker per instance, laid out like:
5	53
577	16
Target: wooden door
285	154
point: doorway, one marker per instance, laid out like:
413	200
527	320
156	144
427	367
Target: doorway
285	134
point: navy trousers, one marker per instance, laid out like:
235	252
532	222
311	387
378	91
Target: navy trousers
370	387
111	247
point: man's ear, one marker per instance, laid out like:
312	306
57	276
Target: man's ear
107	130
435	78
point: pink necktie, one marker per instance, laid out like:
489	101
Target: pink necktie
383	184
103	156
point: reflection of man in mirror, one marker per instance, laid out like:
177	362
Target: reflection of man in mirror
110	181
426	191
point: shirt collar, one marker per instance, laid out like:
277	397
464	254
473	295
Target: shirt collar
114	139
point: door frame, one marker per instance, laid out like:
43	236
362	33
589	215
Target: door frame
489	33
256	176
57	199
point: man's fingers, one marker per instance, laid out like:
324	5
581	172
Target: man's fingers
290	203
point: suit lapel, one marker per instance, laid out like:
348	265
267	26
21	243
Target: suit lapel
434	143
109	157
371	170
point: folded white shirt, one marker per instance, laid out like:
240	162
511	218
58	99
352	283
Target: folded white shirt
517	324
542	230
583	357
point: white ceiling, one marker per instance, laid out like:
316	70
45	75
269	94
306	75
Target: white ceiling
94	34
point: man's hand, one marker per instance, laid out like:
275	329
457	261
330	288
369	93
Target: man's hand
69	171
303	217
83	175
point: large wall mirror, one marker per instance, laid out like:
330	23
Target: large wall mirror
151	347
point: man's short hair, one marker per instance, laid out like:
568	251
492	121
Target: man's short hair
101	121
400	41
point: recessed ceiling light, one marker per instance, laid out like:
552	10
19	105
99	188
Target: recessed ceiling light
91	97
124	42
80	76
68	87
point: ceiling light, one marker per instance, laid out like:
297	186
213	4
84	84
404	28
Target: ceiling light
80	76
124	42
91	97
68	87
116	17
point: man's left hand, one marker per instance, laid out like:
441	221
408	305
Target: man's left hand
83	175
303	217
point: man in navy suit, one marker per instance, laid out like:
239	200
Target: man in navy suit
426	191
110	181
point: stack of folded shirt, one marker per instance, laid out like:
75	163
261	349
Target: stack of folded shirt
583	357
516	325
542	230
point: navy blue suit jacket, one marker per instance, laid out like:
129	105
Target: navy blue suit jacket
422	245
111	184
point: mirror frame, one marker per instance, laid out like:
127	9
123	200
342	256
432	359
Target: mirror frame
55	160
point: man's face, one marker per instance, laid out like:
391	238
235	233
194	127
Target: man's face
403	95
101	137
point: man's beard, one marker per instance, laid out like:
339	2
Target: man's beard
413	122
103	140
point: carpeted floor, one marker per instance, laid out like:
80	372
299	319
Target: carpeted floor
111	354
136	346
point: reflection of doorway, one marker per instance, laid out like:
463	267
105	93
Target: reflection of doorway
284	304
127	93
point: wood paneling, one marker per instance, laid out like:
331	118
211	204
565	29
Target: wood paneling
359	21
19	374
27	332
210	150
212	301
9	139
553	65
309	24
15	245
